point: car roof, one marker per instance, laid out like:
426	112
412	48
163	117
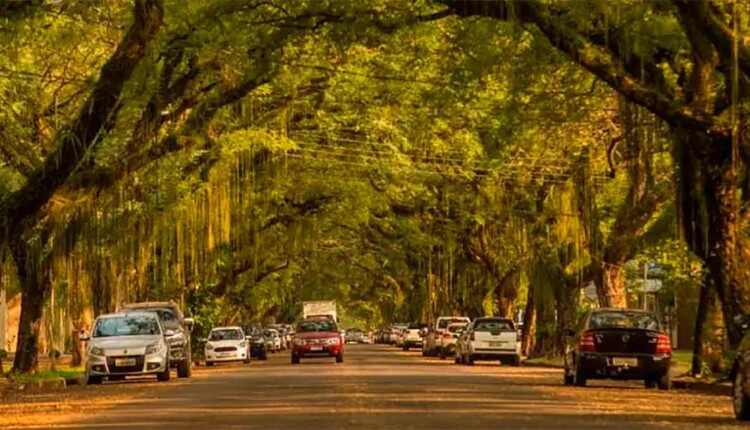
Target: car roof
227	328
146	305
127	314
622	310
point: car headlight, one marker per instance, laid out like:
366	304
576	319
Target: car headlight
154	348
96	351
332	341
243	344
209	346
299	341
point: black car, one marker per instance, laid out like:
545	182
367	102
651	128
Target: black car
254	335
625	344
176	330
740	372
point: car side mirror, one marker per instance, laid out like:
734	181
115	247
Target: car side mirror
169	333
742	322
189	322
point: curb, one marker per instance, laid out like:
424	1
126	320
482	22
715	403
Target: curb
719	388
39	386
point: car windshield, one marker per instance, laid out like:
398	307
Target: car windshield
167	316
225	334
126	326
312	326
445	322
619	319
270	333
417	326
493	325
253	331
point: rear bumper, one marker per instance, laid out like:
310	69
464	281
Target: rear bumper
601	365
413	342
492	354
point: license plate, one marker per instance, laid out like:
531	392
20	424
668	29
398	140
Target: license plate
627	362
496	344
124	362
225	354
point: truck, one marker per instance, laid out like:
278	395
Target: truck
320	308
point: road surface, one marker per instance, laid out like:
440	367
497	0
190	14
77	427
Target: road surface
380	387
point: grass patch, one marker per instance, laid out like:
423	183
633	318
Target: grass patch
682	361
64	372
547	361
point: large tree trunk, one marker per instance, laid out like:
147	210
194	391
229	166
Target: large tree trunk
529	324
706	297
612	293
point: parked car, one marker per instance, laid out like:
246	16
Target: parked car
487	339
448	340
257	343
317	337
127	344
621	344
178	330
273	340
413	335
227	344
431	344
354	335
740	372
395	333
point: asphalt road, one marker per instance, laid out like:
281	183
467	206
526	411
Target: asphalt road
380	387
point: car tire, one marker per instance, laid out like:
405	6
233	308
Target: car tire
442	355
340	358
424	353
209	363
470	360
94	380
568	379
664	383
515	361
580	377
263	357
457	360
164	376
405	347
740	400
295	359
246	361
649	382
184	369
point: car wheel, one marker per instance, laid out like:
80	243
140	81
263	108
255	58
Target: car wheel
442	354
94	380
740	399
470	360
163	376
263	356
246	361
295	359
515	361
649	383
568	379
405	347
664	382
457	360
209	363
184	369
340	358
580	377
424	353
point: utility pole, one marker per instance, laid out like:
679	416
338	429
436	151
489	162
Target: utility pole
3	316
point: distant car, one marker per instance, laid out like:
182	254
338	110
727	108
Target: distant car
126	344
317	337
489	338
177	328
273	340
254	336
431	344
448	340
395	333
412	336
621	344
354	335
227	344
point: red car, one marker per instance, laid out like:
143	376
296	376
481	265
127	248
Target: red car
315	338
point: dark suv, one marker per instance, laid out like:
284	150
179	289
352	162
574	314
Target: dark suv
176	330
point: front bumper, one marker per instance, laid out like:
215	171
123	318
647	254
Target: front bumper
239	355
143	365
304	351
602	365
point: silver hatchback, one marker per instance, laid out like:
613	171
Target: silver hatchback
127	344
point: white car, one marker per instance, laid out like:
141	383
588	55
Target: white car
127	344
412	336
490	338
227	344
431	345
448	339
396	333
273	340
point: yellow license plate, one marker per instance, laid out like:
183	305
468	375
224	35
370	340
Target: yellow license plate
496	344
124	362
625	362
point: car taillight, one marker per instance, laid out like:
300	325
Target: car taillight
471	336
587	342
447	335
663	345
438	333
